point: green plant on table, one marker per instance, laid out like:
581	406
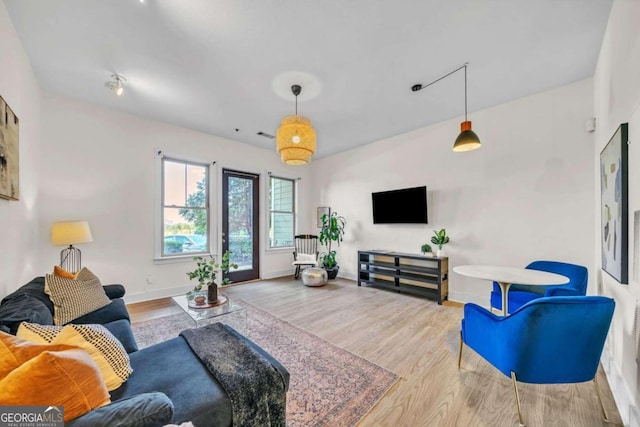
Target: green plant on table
426	248
440	238
207	270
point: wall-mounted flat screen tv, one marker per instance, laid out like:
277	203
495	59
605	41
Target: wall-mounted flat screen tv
404	206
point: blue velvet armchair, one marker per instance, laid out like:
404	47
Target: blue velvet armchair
519	295
551	340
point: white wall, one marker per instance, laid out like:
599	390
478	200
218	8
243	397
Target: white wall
18	220
101	166
616	101
527	194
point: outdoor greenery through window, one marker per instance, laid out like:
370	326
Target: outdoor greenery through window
185	208
240	203
281	212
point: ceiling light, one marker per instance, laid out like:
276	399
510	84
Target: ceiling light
116	85
467	140
296	139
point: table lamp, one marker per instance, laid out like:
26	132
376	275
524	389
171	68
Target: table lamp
70	233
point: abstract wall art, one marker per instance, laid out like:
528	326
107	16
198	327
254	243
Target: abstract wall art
614	178
9	152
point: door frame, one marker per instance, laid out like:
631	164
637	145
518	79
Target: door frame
254	272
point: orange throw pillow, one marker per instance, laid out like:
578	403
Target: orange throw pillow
49	375
61	272
16	351
69	378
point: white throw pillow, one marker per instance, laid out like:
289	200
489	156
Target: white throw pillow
310	258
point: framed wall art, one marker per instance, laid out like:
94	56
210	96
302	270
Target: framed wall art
9	152
322	210
614	201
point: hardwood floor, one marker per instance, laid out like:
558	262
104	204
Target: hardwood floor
418	340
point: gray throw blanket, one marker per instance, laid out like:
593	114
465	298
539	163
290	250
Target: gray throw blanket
254	386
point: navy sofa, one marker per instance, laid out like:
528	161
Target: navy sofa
168	384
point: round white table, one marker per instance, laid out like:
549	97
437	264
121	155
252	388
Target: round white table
506	276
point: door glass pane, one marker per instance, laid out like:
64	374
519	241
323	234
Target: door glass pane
240	237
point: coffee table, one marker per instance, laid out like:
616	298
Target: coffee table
230	313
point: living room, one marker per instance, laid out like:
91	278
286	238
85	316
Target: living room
531	192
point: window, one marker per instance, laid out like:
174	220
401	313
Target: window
185	208
281	212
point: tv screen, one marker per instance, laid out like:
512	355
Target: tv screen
405	206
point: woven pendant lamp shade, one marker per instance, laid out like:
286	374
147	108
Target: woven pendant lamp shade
292	152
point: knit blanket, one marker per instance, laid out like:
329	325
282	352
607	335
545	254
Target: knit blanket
254	386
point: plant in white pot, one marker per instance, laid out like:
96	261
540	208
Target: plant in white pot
332	231
206	272
426	249
440	239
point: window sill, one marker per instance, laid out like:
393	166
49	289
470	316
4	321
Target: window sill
178	259
284	249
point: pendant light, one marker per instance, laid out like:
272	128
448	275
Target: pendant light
296	139
467	140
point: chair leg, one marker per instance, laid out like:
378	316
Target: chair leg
297	272
460	351
604	413
515	389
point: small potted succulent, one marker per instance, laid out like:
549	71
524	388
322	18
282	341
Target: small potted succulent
426	250
207	269
440	239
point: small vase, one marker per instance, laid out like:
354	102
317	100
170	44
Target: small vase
440	253
212	293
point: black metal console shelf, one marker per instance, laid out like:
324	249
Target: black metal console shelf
416	274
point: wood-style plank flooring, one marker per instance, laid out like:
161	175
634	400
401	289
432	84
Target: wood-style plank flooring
418	340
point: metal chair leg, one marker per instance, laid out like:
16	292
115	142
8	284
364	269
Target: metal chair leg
460	351
604	412
515	389
295	276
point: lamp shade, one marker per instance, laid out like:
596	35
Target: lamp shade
70	233
467	140
296	140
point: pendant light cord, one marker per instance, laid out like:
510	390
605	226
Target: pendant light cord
416	88
465	92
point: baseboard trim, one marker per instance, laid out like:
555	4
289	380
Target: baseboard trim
156	294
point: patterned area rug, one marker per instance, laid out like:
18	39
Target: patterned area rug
329	386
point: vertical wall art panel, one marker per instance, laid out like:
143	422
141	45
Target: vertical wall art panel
9	162
614	177
322	210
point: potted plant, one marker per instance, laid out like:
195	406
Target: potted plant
332	231
206	272
426	249
440	239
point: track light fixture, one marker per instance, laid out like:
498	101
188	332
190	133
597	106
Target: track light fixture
467	140
116	85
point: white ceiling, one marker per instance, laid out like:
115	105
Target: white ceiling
218	65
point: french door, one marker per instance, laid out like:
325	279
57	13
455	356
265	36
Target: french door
240	223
